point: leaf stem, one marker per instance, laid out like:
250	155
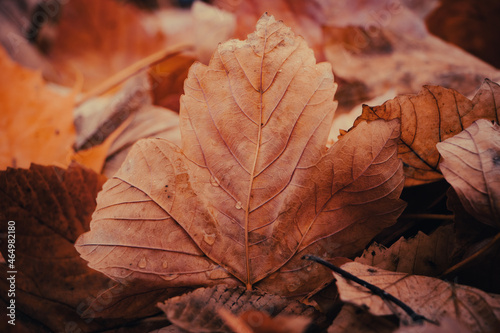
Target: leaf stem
133	69
428	216
373	288
471	258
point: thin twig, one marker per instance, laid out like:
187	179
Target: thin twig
471	258
445	217
374	289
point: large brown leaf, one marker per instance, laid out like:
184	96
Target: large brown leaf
432	116
253	187
471	164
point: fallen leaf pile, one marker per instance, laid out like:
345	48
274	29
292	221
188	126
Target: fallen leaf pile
167	169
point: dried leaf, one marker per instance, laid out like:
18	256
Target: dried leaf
127	301
253	188
447	325
261	322
432	116
377	45
430	297
167	78
419	255
99	38
150	121
198	310
37	123
471	164
51	207
467	24
220	23
356	320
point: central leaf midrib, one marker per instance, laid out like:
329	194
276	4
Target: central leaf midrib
252	171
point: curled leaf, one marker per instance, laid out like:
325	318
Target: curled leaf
432	116
471	164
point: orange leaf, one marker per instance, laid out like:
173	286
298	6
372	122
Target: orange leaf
99	38
254	186
37	122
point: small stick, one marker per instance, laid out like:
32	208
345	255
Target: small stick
444	217
471	258
374	289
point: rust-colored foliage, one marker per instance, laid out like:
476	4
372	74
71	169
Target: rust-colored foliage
97	38
51	207
432	116
212	217
253	188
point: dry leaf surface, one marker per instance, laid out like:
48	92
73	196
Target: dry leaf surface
198	311
432	116
51	208
423	254
149	122
430	297
380	45
253	187
471	164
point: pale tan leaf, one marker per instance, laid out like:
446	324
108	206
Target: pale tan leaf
471	164
149	121
430	297
422	254
198	311
253	187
